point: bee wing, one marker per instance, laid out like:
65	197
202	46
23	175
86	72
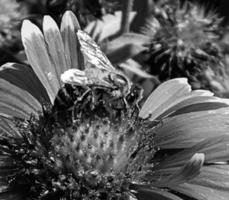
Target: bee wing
93	52
74	76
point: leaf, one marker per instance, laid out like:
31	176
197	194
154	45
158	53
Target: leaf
124	47
132	66
108	26
136	39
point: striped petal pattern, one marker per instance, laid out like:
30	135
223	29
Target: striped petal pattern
38	56
15	74
17	102
52	53
55	45
69	27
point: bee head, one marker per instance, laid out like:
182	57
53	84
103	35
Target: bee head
120	81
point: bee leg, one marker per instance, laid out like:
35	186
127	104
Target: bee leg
94	100
126	104
80	99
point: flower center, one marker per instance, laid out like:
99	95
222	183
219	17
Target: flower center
99	145
91	159
96	155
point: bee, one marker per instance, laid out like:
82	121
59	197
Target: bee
98	71
98	83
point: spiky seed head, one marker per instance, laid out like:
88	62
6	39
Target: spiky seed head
185	40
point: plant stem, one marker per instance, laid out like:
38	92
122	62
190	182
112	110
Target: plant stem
126	10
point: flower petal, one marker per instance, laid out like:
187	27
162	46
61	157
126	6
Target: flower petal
55	46
17	102
197	100
163	96
38	57
150	194
69	27
183	131
8	168
7	127
189	171
15	74
199	104
201	193
214	176
216	149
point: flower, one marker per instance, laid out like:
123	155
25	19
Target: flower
11	14
174	147
185	40
86	10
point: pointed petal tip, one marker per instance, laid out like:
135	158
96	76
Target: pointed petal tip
49	23
198	159
70	18
68	13
201	92
191	169
38	57
186	173
167	92
180	80
223	100
26	22
28	29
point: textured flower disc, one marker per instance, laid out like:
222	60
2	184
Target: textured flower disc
185	40
89	160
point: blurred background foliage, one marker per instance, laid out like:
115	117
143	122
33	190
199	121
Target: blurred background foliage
150	40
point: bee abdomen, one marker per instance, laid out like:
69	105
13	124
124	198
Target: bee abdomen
66	96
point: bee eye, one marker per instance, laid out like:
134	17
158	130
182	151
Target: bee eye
118	80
